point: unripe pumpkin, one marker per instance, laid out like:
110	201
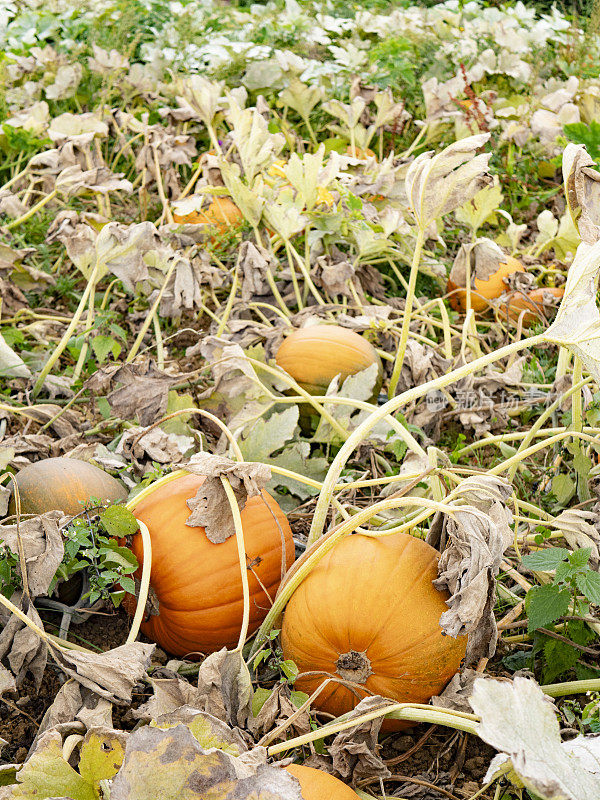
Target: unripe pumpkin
484	290
197	583
313	356
222	212
534	300
318	785
369	613
64	484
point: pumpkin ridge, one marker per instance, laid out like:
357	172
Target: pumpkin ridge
416	579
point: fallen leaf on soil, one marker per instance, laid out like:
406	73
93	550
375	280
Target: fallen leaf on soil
111	674
134	391
171	764
21	647
224	687
42	545
210	507
355	750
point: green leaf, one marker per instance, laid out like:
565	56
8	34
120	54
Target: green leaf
589	135
101	756
290	670
588	584
119	522
103	345
546	604
579	558
563	488
545	560
47	774
259	698
267	436
297	457
559	657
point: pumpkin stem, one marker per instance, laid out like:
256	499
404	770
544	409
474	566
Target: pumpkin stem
354	666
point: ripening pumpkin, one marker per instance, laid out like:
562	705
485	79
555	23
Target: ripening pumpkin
368	613
318	785
222	212
359	152
484	290
313	356
197	583
64	484
534	300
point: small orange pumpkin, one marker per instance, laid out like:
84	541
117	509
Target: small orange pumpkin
197	583
368	613
318	785
359	152
534	300
222	212
64	484
313	356
484	290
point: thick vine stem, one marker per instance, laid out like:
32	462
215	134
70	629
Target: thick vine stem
410	298
413	712
354	440
68	333
144	583
148	321
239	535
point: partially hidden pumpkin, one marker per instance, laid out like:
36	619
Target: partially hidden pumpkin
222	213
318	785
313	356
197	583
64	484
368	614
534	303
483	290
359	152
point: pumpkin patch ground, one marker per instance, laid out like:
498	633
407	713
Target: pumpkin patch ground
300	413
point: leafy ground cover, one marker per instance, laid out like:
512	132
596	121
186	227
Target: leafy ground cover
184	186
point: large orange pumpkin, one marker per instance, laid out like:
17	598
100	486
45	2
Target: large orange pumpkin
222	213
534	300
318	785
313	356
484	290
197	583
64	484
368	613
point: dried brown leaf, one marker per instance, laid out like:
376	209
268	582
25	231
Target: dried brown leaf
210	507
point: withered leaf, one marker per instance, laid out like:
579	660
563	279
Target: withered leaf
472	541
210	507
355	750
134	391
21	647
42	545
171	764
111	674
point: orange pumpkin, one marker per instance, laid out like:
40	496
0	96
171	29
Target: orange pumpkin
359	152
318	785
197	583
222	212
483	290
368	613
313	356
512	307
64	484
